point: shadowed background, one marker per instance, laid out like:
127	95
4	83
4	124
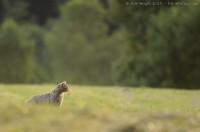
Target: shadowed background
100	42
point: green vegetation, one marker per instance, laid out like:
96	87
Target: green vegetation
21	58
112	109
77	42
17	53
100	42
163	45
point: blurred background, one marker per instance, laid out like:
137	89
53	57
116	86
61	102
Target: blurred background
101	42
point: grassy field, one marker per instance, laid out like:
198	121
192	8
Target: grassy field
101	109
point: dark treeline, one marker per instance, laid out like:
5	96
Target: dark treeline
100	42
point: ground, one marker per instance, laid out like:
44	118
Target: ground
101	109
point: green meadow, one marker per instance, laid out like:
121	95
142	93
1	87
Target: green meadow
101	109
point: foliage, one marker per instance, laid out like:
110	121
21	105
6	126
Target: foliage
174	44
40	53
135	20
17	54
100	42
160	51
78	43
16	10
41	11
30	10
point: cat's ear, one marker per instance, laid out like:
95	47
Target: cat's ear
64	82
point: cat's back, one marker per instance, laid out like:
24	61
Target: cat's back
41	98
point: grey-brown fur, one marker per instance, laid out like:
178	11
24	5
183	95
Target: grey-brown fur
55	96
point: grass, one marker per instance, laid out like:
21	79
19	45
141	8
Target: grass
101	109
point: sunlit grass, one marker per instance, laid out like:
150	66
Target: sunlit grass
94	109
